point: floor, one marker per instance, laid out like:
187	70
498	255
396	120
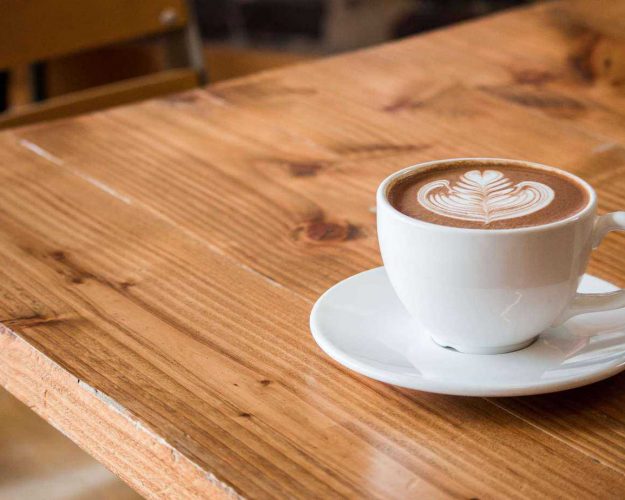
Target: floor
38	462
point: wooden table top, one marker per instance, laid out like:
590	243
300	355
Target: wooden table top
158	264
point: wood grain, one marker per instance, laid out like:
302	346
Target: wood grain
86	416
167	255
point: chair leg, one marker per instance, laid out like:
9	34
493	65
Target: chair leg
38	81
4	90
184	48
193	42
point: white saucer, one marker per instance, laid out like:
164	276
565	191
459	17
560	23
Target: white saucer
360	323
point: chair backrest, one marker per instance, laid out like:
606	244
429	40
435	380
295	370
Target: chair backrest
35	30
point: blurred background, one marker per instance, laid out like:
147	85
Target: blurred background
309	28
91	55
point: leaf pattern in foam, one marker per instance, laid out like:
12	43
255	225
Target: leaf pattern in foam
484	196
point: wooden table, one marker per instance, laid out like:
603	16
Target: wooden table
158	263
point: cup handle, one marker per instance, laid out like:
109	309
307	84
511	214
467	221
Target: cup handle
594	302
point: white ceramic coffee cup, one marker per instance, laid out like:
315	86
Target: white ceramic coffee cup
492	291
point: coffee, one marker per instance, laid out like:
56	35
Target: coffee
488	195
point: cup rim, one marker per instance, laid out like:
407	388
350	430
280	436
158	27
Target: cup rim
382	196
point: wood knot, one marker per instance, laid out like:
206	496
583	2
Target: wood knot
532	76
550	102
265	382
245	415
607	61
294	168
58	255
377	150
77	276
69	270
581	58
402	104
322	231
304	168
32	320
125	285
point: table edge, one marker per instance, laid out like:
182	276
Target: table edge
65	401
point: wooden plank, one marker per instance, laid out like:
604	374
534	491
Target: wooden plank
133	452
149	319
308	154
163	236
39	30
104	96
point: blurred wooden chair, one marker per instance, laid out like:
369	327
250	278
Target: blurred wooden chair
36	31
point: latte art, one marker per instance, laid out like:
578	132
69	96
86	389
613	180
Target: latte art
488	194
484	196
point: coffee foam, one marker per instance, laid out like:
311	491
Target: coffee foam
484	196
488	196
